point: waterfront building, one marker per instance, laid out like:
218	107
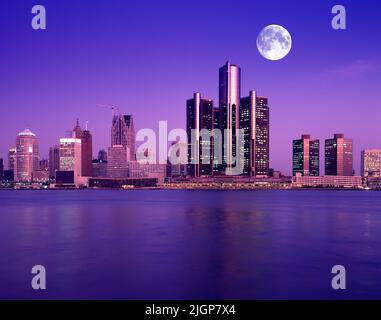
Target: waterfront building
254	122
71	156
229	101
200	127
305	156
371	163
339	156
123	133
27	156
11	159
54	161
300	181
118	159
150	170
86	149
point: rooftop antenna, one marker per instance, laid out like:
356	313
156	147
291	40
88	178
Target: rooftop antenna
87	125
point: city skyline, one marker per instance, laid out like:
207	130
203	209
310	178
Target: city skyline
150	72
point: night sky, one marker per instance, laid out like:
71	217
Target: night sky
148	57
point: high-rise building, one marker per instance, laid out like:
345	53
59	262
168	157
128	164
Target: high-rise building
12	159
71	156
254	122
199	131
27	156
229	101
305	156
1	170
371	163
247	123
123	133
54	161
262	137
87	153
339	156
87	149
118	158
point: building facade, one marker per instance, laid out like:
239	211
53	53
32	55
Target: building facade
305	156
11	159
54	161
71	156
200	125
27	156
118	158
123	133
371	163
339	156
229	101
86	149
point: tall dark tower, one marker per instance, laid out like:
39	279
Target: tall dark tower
229	100
87	153
123	133
200	149
305	156
86	149
247	123
254	121
262	137
339	156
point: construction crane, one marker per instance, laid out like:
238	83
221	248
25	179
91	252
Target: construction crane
114	109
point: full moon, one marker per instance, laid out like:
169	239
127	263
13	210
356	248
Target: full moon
274	42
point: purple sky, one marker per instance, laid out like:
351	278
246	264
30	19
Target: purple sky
148	57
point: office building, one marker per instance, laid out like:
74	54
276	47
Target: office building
86	149
339	156
229	101
305	156
71	156
199	131
123	133
54	161
12	159
118	158
27	156
371	163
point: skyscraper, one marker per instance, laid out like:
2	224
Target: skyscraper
12	159
305	156
87	153
87	149
247	122
339	156
229	100
71	156
262	137
27	156
123	133
254	121
371	163
54	161
200	124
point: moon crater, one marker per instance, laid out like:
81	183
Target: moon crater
274	42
